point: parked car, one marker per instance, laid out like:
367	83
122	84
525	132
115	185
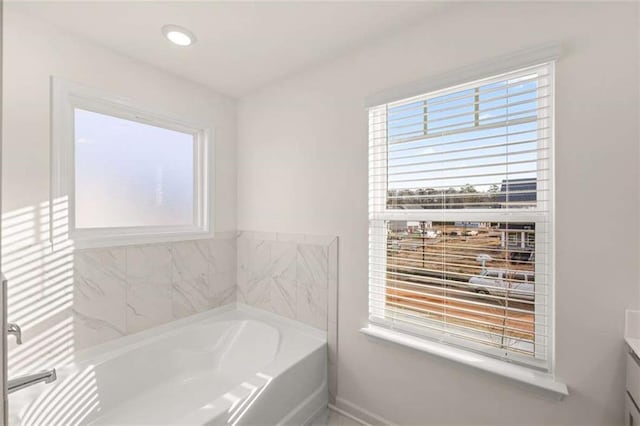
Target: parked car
405	244
497	282
431	233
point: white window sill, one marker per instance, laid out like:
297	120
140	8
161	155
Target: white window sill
108	238
519	373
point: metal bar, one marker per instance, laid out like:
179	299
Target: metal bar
48	376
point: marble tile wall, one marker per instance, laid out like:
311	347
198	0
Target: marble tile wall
295	276
287	275
123	290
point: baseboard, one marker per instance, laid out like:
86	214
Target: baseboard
359	414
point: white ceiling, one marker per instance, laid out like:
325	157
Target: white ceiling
241	46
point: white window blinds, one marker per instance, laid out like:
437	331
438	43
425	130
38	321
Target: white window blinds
460	209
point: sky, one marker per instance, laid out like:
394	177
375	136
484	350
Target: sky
446	152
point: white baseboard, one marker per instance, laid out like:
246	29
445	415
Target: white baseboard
359	414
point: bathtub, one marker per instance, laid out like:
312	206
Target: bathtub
228	366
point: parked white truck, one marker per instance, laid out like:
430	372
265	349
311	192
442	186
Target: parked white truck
501	282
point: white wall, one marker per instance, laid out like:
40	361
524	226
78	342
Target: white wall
302	167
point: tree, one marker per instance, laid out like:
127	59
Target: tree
468	189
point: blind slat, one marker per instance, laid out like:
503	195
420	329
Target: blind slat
520	172
400	123
398	105
458	321
480	147
457	159
480	183
450	330
507	135
393	270
451	294
471	318
442	131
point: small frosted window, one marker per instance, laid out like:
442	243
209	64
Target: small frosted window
130	174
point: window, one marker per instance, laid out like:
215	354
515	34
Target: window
474	163
129	175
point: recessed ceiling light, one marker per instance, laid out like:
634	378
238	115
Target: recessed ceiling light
178	35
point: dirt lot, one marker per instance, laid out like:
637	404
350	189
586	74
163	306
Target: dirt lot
429	277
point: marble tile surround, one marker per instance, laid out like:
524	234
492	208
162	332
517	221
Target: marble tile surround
295	276
123	290
287	275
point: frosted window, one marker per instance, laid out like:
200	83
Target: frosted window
131	174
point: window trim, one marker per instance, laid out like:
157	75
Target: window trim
543	371
65	98
495	66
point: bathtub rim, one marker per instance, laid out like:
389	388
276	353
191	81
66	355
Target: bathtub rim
121	345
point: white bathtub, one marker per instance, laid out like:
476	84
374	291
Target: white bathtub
232	365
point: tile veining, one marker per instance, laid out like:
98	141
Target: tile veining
123	290
99	293
149	278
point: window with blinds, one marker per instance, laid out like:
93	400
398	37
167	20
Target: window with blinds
460	210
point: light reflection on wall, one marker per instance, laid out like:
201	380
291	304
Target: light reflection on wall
50	348
37	259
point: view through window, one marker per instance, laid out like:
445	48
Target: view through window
460	210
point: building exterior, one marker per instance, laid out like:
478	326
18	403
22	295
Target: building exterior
517	193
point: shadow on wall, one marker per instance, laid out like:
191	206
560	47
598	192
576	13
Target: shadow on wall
37	259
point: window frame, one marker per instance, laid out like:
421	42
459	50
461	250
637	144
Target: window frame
543	221
66	97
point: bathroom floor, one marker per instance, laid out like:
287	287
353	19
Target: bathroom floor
331	418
